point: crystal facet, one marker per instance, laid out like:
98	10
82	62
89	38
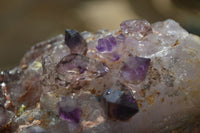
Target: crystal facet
135	69
138	28
106	44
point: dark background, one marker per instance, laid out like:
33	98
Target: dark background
26	22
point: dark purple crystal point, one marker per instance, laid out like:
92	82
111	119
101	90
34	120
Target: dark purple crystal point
135	70
120	105
76	67
75	42
137	28
68	111
106	44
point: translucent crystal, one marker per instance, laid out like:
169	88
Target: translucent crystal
106	44
136	28
78	67
135	69
120	104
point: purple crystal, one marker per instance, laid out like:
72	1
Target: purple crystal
120	105
75	66
69	111
75	42
135	70
106	44
137	28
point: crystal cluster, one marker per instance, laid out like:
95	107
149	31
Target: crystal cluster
142	78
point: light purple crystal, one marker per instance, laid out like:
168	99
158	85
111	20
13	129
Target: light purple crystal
106	44
135	69
137	28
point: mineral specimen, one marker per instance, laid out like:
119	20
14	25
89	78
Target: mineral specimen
142	78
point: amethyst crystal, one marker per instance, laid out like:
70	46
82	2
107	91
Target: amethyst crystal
137	28
106	44
120	105
135	69
69	111
78	67
75	42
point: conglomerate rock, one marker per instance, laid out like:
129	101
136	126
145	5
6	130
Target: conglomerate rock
142	78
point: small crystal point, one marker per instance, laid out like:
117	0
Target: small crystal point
135	70
106	44
75	42
120	105
136	28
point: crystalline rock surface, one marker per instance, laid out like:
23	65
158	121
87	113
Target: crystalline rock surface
142	78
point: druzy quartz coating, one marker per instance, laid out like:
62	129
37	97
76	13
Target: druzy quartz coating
141	78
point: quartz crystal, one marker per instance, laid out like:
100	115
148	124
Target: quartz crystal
137	28
75	41
141	78
120	104
135	69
